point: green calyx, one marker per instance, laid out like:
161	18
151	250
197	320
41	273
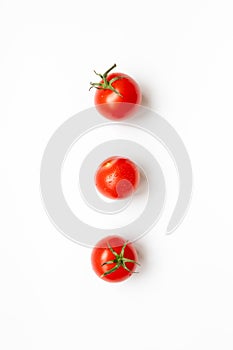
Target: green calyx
119	260
106	85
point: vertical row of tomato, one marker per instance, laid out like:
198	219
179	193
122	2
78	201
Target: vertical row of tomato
117	97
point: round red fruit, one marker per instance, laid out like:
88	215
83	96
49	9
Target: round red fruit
117	96
114	259
117	178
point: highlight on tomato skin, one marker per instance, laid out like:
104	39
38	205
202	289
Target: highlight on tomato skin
117	178
117	95
114	259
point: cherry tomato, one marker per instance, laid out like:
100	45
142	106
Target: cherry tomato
117	96
114	259
117	178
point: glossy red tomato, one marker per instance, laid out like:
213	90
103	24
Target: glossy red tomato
114	259
117	178
117	96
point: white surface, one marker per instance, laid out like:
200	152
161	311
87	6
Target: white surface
181	53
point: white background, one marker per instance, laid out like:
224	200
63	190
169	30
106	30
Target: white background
181	53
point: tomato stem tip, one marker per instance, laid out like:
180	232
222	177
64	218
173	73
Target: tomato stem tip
120	260
106	85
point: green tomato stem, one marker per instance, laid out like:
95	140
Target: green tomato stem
119	260
106	85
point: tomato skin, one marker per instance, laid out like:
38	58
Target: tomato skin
101	254
116	107
117	178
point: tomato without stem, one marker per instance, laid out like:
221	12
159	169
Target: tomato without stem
117	96
117	178
114	259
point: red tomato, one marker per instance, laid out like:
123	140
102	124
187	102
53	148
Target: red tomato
117	95
117	178
114	259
